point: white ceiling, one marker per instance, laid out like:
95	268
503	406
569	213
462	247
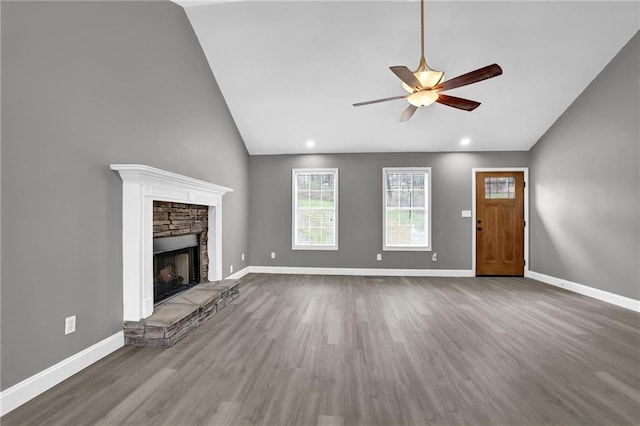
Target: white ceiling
290	70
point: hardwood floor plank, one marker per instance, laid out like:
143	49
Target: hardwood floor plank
330	421
226	415
632	393
334	327
128	406
343	350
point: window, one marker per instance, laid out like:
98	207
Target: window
407	208
315	207
500	187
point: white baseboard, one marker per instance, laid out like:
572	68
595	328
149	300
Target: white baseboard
605	296
239	274
28	389
362	271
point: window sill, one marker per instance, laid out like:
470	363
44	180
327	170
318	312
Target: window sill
407	249
315	248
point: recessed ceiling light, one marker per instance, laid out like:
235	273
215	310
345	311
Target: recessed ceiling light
310	144
465	141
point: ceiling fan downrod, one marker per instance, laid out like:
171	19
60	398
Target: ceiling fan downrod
427	76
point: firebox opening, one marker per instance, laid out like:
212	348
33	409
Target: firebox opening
176	265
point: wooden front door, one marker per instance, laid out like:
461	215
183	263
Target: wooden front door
500	223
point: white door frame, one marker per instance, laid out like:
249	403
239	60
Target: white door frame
475	171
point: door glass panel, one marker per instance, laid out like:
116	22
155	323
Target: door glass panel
499	187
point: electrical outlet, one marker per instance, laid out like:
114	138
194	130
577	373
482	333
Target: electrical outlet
70	324
434	258
243	257
379	257
231	269
273	254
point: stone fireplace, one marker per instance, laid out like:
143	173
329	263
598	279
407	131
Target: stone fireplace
180	255
146	193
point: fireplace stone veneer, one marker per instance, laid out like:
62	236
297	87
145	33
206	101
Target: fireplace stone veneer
141	186
174	219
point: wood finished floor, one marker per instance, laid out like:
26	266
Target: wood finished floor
321	350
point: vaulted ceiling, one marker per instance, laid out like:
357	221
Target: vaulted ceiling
291	70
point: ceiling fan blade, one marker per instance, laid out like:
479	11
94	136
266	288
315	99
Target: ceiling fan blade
460	103
407	76
393	98
408	113
484	73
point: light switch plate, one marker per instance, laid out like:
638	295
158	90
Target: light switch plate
466	213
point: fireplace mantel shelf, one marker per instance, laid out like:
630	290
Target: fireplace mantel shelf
145	175
141	185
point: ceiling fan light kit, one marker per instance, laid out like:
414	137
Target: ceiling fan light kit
423	98
425	84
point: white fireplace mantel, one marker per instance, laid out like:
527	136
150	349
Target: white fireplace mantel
141	185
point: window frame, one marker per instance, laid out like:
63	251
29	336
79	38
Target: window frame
427	208
294	202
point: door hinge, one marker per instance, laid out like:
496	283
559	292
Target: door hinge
525	223
524	184
524	262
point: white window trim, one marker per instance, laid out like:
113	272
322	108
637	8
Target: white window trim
428	247
294	202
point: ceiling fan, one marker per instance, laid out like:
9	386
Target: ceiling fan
424	85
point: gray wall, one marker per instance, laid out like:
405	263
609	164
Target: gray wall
584	198
86	84
360	208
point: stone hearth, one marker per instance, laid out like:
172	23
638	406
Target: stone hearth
173	319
